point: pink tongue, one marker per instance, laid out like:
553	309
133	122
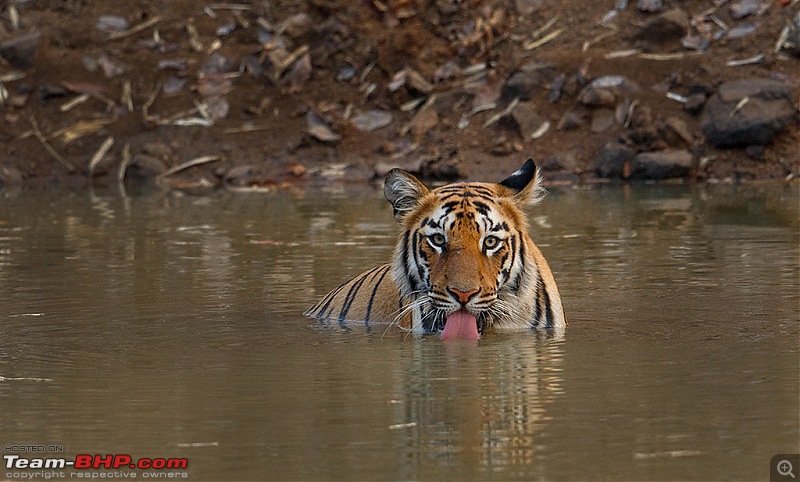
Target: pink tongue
461	325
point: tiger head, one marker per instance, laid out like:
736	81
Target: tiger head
464	258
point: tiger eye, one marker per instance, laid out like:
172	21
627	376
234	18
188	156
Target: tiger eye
491	242
437	239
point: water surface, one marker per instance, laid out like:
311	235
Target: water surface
170	326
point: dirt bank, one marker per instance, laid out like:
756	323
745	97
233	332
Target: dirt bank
257	94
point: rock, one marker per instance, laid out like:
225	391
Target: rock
527	119
612	159
650	6
240	176
111	23
603	120
681	129
159	150
742	30
694	103
217	63
743	8
372	120
793	42
695	42
20	51
297	25
667	26
596	97
527	8
299	74
319	130
217	107
525	82
144	166
570	121
664	164
757	120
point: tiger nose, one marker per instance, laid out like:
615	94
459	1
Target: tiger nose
463	296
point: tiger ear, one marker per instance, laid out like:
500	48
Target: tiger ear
525	184
404	191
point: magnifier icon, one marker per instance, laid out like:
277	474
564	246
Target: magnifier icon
785	468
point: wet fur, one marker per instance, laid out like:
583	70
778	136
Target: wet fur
515	289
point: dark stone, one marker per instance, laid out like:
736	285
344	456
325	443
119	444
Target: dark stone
20	51
668	26
694	103
765	113
525	82
597	97
664	164
610	162
144	166
793	42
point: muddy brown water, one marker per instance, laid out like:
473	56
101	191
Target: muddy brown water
165	326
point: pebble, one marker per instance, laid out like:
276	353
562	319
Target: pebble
111	23
144	166
743	8
694	103
595	97
21	50
372	120
650	6
742	30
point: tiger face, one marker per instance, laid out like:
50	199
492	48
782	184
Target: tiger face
465	261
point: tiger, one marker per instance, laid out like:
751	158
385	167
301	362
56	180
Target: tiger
464	264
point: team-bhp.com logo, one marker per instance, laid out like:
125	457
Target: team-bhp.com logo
96	461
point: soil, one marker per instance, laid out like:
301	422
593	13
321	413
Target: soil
263	73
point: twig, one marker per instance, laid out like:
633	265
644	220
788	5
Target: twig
127	97
508	110
146	106
66	106
544	28
136	29
100	154
186	165
547	38
596	39
289	60
675	56
40	136
757	59
123	166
